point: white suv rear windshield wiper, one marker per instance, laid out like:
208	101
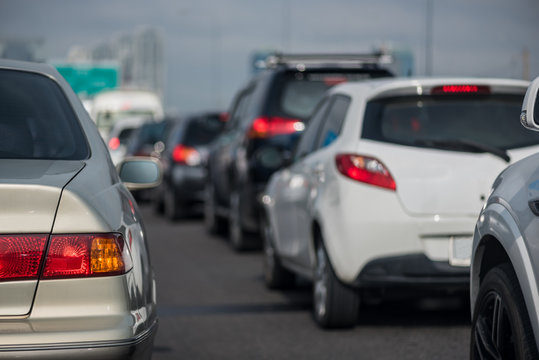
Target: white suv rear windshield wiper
460	144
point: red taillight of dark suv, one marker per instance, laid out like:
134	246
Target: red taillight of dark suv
267	126
68	256
186	155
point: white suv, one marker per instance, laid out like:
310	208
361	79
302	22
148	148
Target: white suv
385	187
505	268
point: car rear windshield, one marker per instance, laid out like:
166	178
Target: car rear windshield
36	119
451	122
146	136
202	130
297	93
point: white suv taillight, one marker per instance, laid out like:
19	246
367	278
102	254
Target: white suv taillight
365	169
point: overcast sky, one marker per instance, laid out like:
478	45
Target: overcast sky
470	37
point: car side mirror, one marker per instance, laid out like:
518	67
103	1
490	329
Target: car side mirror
529	117
140	172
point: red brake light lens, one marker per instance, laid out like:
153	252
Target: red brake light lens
365	169
224	117
114	143
86	256
186	155
334	80
21	256
264	127
461	89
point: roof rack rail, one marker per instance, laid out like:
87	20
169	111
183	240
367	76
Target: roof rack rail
295	60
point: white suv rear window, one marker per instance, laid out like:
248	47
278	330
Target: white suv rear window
449	122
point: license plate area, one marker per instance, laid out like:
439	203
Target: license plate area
460	250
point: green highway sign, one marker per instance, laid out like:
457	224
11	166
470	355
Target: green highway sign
89	79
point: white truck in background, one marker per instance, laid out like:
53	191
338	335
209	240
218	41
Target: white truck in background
110	106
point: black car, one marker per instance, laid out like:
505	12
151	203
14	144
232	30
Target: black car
266	119
184	164
144	141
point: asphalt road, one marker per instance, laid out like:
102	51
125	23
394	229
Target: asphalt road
213	305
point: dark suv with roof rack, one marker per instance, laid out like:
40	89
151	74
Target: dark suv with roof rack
266	119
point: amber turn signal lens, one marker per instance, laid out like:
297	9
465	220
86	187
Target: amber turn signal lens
86	255
106	256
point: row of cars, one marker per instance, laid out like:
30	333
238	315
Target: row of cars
181	146
369	185
364	188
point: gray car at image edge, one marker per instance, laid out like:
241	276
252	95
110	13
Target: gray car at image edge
504	270
76	280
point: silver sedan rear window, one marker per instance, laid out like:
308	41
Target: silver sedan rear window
36	119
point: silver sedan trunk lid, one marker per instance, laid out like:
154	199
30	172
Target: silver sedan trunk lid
29	193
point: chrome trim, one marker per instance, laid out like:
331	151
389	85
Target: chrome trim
84	345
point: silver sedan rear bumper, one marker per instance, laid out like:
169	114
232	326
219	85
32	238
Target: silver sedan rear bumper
136	348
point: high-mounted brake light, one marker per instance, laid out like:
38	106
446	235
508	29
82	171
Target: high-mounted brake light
186	155
365	169
21	256
72	256
334	80
224	116
114	143
460	89
264	127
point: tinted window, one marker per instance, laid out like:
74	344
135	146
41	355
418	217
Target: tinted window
300	97
240	109
334	120
429	121
143	139
201	131
36	119
308	139
298	93
125	134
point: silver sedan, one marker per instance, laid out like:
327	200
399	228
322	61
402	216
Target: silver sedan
75	275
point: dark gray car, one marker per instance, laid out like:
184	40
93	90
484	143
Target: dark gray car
505	259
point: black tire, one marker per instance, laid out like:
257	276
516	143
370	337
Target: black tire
214	223
170	206
501	328
275	275
336	305
237	236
